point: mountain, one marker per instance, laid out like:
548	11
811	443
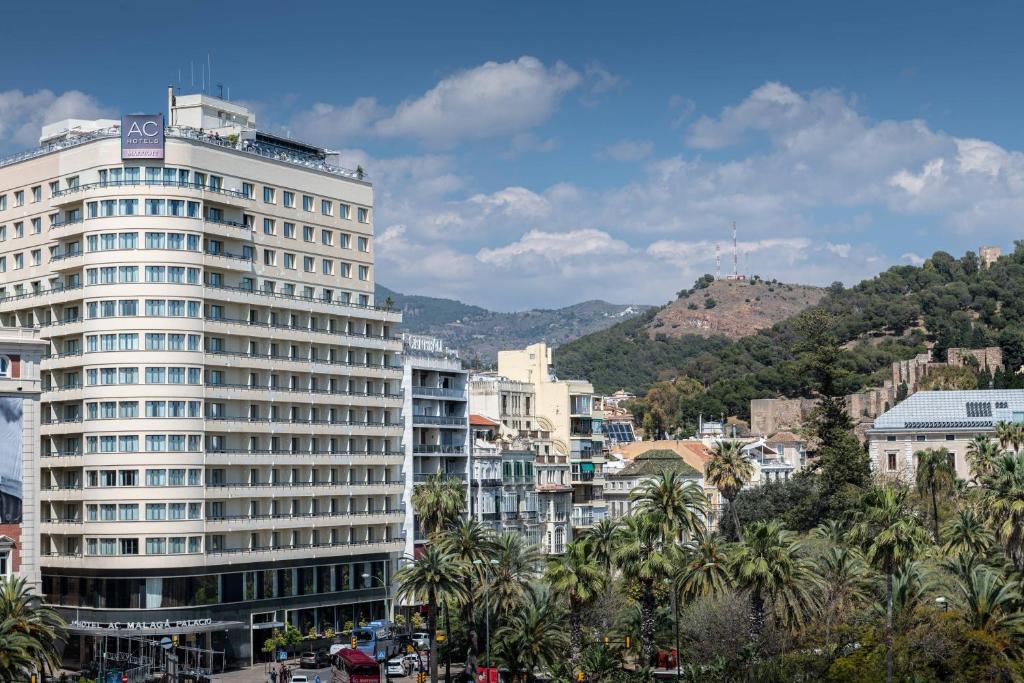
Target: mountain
479	333
732	308
946	302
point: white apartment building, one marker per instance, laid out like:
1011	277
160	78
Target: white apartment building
435	419
509	422
220	437
567	406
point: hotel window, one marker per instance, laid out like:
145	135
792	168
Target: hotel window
289	230
307	233
268	195
328	267
326	207
37	226
307	203
3	233
19	261
269	257
37	194
363	215
289	199
54	188
326	237
3	202
19	229
247	190
19	198
891	461
346	270
307	263
344	211
269	228
154	207
289	261
155	546
364	272
364	244
37	257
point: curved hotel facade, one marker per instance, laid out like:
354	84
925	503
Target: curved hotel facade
221	432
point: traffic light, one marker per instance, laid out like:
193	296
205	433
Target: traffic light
174	641
421	677
629	642
606	641
353	642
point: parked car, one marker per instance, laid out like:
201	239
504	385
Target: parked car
421	639
403	665
309	660
299	678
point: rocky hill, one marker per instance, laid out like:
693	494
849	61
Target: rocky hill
479	333
732	308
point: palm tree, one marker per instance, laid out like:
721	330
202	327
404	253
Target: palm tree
576	576
533	637
470	542
1005	505
435	576
515	575
934	473
30	634
678	503
1010	434
439	502
982	453
702	569
600	662
846	585
992	605
640	555
892	534
769	564
910	588
729	470
966	534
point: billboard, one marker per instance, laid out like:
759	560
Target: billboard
142	136
10	459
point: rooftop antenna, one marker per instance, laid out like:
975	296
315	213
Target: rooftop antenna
735	263
718	261
209	68
192	70
220	90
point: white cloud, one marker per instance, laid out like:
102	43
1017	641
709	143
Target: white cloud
490	100
554	247
628	151
525	143
22	115
912	258
337	123
840	250
516	202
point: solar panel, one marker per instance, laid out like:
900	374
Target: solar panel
950	424
979	409
619	432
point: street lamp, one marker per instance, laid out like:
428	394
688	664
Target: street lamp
387	602
675	618
487	609
942	602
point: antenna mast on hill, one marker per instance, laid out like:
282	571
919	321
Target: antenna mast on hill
735	257
718	261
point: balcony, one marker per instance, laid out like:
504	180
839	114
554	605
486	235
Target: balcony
422	477
440	420
438	392
438	448
290	521
487	482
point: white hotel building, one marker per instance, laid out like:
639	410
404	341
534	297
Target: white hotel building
221	399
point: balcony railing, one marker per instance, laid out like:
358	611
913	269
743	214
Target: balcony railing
301	328
301	546
305	515
421	477
439	392
325	392
284	453
435	448
269	420
296	359
440	420
103	184
302	484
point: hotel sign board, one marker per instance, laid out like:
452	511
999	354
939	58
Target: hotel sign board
142	136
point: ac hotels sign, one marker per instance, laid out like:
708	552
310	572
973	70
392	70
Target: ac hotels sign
142	136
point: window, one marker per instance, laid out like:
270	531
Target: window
364	244
307	263
289	230
363	215
289	261
156	477
307	203
247	190
289	199
269	257
326	237
37	194
345	241
269	227
364	272
344	211
268	195
328	266
156	546
307	233
891	461
326	207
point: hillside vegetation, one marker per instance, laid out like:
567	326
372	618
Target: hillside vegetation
949	301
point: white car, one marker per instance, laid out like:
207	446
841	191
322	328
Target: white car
403	665
421	639
299	678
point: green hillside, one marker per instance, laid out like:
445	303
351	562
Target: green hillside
949	301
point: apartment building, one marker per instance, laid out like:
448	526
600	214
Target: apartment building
506	421
938	419
435	420
220	432
20	353
647	466
567	406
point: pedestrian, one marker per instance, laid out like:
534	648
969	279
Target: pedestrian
273	676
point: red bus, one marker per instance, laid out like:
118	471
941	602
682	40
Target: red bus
356	667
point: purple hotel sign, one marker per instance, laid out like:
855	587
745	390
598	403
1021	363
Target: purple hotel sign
142	136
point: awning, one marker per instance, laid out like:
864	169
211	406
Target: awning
150	628
268	624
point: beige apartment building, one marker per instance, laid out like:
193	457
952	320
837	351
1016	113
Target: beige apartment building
567	406
220	437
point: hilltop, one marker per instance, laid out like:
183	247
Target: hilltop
732	308
479	333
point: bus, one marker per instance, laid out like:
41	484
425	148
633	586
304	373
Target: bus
356	667
377	640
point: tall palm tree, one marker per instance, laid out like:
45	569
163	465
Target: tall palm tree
434	577
769	564
1005	506
846	585
1010	434
702	568
729	470
966	533
515	575
911	585
533	637
892	535
576	576
439	502
992	605
934	473
470	542
30	634
601	538
982	454
679	504
640	555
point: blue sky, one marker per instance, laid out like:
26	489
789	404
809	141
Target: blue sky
538	154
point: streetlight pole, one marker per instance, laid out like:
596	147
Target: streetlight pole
487	611
387	602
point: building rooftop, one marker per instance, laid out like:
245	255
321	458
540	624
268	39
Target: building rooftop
654	462
785	437
481	421
979	409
